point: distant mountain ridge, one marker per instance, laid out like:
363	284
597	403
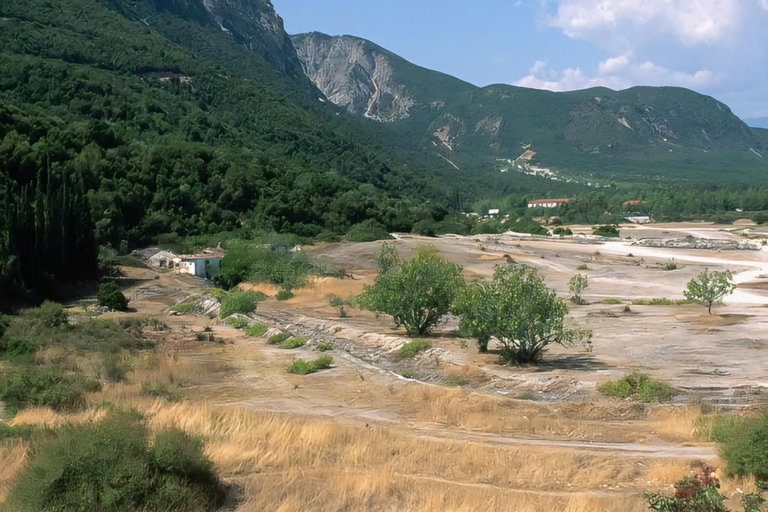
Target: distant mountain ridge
633	134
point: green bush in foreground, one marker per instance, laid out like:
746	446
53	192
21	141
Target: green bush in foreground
110	296
284	295
302	367
45	387
292	343
111	465
240	302
324	347
185	308
256	330
278	339
640	385
410	350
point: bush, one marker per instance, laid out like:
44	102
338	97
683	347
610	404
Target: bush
278	339
407	373
292	343
324	347
577	285
527	226
115	367
410	350
17	348
301	367
256	330
490	227
611	301
185	308
45	387
640	385
275	264
538	320
284	295
157	389
670	266
237	322
111	297
747	452
111	465
709	288
240	302
368	231
335	301
456	380
562	231
50	315
606	231
416	293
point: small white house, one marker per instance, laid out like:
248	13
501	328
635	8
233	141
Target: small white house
161	260
493	213
207	267
547	203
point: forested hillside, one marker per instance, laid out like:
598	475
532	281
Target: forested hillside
183	117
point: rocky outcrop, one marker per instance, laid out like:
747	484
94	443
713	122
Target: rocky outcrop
354	74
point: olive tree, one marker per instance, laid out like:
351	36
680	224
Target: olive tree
709	287
475	308
417	292
519	310
577	285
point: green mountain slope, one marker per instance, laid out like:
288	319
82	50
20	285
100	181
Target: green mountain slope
192	117
595	135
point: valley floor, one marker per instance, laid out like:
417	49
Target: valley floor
359	436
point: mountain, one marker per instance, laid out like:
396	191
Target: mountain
595	134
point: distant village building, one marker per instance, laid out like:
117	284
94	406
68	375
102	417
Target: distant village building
493	212
547	203
205	264
641	219
161	260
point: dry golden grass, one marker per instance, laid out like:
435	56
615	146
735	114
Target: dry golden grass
292	463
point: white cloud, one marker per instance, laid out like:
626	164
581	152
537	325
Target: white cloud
616	73
628	22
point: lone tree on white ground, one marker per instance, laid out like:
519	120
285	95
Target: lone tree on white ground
710	287
519	310
577	285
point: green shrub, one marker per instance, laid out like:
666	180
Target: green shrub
611	301
50	315
185	308
456	380
409	350
16	349
526	226
278	339
368	231
292	343
324	347
583	267
606	231
670	266
112	465
110	296
562	231
240	302
45	387
284	295
274	264
302	367
157	389
335	301
21	431
747	450
640	385
115	367
490	227
407	373
237	322
529	395
256	330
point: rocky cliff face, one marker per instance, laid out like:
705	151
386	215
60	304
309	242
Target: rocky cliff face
354	74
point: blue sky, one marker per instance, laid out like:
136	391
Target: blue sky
717	47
